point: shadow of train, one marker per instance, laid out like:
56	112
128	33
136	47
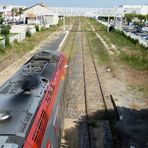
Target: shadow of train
132	130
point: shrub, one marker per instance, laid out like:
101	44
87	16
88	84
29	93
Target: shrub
5	30
37	28
7	43
28	33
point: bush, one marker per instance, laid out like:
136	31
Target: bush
28	33
37	28
1	20
7	43
5	30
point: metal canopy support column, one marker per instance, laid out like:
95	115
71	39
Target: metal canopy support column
108	24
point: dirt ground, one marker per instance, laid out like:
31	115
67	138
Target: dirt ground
129	88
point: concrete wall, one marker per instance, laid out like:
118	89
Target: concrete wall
20	36
52	19
32	30
2	42
14	37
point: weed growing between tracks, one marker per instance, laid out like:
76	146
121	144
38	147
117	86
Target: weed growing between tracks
98	48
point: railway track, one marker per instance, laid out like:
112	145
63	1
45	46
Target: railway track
89	56
86	100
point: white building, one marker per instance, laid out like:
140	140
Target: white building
40	14
6	11
137	9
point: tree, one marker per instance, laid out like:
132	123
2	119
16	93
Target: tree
20	12
5	30
14	12
129	17
1	19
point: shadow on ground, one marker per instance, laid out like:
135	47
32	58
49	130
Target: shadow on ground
132	130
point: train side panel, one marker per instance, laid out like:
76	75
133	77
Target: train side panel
54	128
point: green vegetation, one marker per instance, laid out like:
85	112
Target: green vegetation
1	19
96	45
43	29
136	61
16	50
7	42
5	30
37	28
129	17
140	88
28	33
130	51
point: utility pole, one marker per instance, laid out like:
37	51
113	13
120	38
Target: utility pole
64	23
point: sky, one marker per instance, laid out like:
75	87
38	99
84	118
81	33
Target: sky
75	3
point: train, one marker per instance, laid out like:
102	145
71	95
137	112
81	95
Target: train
32	103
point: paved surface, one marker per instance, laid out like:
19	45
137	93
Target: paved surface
52	42
18	28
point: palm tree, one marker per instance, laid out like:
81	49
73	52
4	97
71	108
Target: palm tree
14	12
20	12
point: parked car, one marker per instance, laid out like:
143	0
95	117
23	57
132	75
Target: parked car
145	29
145	37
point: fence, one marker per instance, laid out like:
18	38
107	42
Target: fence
132	35
136	37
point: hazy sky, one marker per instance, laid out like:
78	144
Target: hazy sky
76	3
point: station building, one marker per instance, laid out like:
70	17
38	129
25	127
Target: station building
40	14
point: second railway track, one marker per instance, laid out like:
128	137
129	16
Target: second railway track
93	92
86	106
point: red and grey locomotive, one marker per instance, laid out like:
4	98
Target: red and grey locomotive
32	103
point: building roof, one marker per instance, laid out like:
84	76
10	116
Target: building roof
38	10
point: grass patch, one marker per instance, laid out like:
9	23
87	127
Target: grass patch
139	88
97	46
131	52
136	61
27	44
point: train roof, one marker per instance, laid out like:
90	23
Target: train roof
22	94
